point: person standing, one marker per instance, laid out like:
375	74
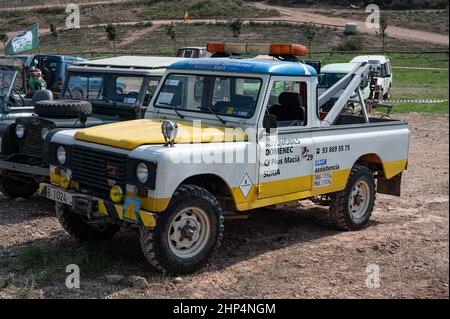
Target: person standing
36	81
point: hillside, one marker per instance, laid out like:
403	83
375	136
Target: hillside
131	10
384	4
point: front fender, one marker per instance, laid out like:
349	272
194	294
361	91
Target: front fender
8	143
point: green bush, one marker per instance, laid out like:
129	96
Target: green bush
350	44
52	10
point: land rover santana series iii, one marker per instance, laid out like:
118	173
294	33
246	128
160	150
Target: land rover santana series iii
95	93
224	136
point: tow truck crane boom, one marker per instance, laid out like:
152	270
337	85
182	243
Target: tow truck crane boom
351	83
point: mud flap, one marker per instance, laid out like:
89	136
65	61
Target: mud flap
390	186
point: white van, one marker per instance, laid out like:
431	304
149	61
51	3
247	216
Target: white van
382	80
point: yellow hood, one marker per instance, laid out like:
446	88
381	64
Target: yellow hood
132	134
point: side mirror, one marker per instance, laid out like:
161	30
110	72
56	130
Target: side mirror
270	123
317	65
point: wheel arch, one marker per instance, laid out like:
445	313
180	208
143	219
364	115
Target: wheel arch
372	161
216	185
381	168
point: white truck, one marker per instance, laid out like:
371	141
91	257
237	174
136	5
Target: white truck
223	137
382	77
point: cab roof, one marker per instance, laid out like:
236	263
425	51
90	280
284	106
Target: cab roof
339	67
372	59
11	63
135	62
246	66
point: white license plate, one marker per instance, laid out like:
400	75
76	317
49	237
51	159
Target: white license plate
59	196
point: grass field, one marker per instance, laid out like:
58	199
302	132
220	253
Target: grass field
412	84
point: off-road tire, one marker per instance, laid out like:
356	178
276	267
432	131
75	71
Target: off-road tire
76	227
13	188
155	243
339	210
63	108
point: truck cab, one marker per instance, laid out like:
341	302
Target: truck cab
382	78
223	137
95	93
54	69
193	52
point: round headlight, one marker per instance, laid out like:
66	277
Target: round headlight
142	173
170	131
20	130
44	133
61	154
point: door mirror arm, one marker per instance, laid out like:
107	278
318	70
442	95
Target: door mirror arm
270	123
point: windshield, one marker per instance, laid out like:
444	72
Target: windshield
379	70
327	80
222	95
110	88
6	79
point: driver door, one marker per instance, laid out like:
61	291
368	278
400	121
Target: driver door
285	156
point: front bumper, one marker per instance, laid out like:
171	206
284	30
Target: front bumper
24	168
91	206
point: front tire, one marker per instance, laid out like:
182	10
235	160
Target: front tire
351	208
186	234
14	188
77	226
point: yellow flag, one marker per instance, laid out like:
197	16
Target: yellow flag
186	17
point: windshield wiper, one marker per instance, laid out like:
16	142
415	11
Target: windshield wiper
173	107
211	110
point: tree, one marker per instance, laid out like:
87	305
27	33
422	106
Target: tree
383	33
310	34
111	34
171	31
54	32
236	27
4	38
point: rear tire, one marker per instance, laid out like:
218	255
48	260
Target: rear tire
13	188
187	234
77	227
351	208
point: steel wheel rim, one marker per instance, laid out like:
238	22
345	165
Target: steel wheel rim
359	199
189	232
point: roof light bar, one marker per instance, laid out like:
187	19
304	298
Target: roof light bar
258	48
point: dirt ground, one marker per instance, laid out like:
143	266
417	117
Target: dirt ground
305	15
284	254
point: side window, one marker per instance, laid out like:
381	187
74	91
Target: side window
288	103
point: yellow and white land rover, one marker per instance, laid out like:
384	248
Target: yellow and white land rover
224	136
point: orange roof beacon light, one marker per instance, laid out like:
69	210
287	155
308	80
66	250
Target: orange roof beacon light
277	49
288	49
215	47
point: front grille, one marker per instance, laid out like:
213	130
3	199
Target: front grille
96	171
32	143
